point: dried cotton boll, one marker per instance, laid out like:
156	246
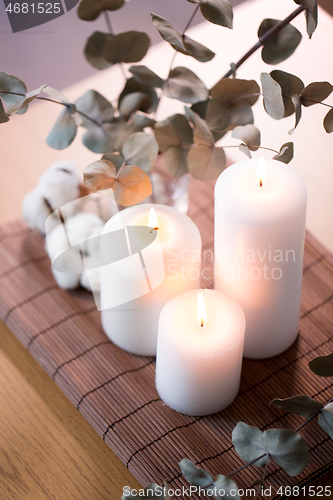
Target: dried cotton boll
60	188
35	210
80	228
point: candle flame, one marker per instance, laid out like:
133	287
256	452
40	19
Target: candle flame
261	171
153	222
202	315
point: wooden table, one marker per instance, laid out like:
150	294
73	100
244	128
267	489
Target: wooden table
47	449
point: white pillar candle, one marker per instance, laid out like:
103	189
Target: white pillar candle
199	352
135	289
260	208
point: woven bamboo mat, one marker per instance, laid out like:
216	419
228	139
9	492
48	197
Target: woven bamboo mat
115	391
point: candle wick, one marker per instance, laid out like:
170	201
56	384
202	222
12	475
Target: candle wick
202	323
154	229
260	184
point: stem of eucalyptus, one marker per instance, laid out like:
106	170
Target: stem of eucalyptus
109	26
273	31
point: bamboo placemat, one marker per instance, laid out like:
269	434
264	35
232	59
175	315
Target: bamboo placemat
115	391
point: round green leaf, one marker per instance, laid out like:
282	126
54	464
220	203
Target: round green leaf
281	45
194	475
217	12
176	162
89	10
141	149
142	121
181	43
311	14
328	121
231	90
240	114
301	405
63	132
273	101
325	419
132	102
146	76
127	47
94	50
133	86
286	153
249	134
202	133
114	158
248	444
218	115
316	92
287	448
3	117
184	85
96	107
224	483
206	163
12	84
290	85
322	365
174	131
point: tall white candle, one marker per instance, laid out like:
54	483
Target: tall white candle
135	289
260	208
199	352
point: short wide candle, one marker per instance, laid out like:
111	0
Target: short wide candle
260	210
199	352
135	289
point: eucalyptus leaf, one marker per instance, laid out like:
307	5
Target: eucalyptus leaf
132	103
273	101
316	92
206	163
240	114
281	45
298	111
64	130
176	162
249	134
184	85
202	133
325	419
224	483
200	108
290	85
115	158
181	43
100	175
142	121
218	115
286	153
96	107
141	149
301	405
244	149
322	365
10	83
94	50
133	86
55	94
174	131
127	47
146	76
232	90
217	12
3	117
248	444
311	14
89	10
194	475
29	97
328	121
96	140
132	186
288	450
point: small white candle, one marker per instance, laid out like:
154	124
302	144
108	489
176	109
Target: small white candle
199	352
260	208
135	289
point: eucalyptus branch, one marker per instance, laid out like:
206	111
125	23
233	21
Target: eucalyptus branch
251	146
245	466
273	31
